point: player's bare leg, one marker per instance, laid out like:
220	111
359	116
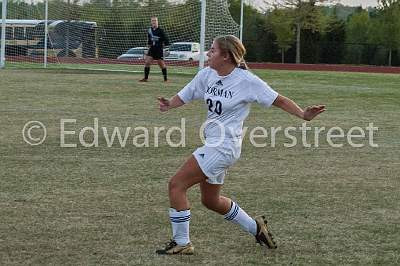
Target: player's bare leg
211	198
187	176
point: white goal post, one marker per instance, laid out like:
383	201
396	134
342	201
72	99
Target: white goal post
3	33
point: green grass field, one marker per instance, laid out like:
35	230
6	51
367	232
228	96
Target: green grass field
108	205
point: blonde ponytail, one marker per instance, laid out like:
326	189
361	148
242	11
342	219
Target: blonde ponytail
243	65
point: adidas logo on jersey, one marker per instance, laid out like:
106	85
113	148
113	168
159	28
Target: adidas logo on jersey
201	155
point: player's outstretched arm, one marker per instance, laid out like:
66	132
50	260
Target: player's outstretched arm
291	107
166	104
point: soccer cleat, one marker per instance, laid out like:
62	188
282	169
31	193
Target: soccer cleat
143	80
172	248
264	236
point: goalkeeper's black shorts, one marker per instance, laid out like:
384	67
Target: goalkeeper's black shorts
156	53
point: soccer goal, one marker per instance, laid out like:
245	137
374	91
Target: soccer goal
110	34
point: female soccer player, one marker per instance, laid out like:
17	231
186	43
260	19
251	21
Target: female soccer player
227	89
156	40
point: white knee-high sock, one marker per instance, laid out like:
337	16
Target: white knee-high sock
180	226
238	216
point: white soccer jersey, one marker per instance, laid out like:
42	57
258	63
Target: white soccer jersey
227	99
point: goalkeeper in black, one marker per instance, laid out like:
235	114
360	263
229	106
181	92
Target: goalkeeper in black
157	39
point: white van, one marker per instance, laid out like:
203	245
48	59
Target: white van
185	51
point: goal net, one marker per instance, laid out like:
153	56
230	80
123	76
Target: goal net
112	35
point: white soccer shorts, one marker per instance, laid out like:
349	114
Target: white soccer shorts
215	161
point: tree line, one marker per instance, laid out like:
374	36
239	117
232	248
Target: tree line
302	31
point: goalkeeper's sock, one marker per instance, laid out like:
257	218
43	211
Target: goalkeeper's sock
146	72
180	226
238	216
164	72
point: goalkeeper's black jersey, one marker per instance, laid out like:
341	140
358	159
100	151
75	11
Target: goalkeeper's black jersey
157	37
